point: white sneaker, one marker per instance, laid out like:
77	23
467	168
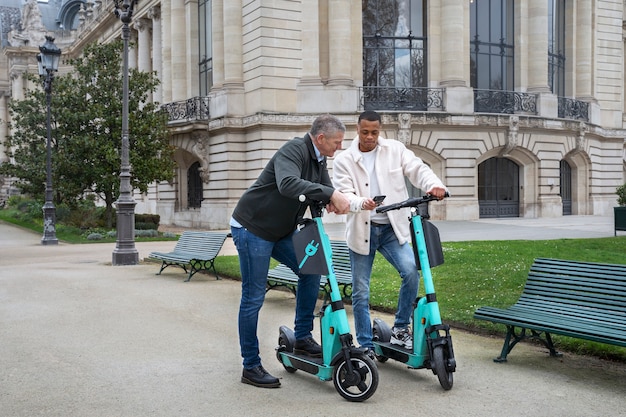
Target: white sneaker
402	337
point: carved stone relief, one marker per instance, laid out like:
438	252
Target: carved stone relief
200	148
404	128
511	137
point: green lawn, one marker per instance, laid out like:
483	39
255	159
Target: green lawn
493	273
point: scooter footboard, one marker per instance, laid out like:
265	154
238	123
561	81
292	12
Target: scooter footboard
439	335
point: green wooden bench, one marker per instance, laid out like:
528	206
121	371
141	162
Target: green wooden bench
583	300
194	250
282	276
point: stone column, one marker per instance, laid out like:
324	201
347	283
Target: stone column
17	84
192	57
178	50
217	25
132	49
547	103
458	96
452	47
584	58
4	127
233	43
143	45
166	51
537	46
311	44
339	26
233	100
310	90
155	15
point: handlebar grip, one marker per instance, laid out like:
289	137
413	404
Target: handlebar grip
384	209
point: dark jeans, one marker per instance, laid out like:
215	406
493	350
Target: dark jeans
254	262
384	240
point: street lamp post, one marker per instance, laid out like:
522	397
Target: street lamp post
125	252
48	63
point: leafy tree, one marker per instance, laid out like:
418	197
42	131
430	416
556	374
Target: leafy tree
87	131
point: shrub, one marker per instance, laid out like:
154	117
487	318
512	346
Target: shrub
621	195
95	236
146	233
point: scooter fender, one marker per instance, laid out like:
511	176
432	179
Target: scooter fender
354	351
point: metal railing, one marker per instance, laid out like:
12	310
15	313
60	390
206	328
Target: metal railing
506	102
192	109
570	108
401	98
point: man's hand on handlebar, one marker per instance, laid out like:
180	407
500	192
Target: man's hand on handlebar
438	192
339	203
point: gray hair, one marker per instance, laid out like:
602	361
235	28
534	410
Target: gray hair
327	124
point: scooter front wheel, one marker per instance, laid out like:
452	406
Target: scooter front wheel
360	383
440	369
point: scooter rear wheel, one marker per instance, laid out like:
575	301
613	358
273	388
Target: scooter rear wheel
361	383
381	333
285	344
440	369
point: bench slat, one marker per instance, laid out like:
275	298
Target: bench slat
194	249
282	276
584	300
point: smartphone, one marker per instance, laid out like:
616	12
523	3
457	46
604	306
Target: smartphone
379	199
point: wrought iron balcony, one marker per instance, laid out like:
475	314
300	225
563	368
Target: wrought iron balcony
570	108
502	101
192	109
401	98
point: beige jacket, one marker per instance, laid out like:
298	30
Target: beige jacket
393	162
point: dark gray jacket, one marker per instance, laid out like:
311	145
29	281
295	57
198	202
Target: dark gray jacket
270	207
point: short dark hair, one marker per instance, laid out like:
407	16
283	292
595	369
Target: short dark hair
327	124
371	116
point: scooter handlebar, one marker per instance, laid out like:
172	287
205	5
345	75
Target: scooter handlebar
316	206
411	202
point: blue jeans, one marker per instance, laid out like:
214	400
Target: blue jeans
254	262
384	240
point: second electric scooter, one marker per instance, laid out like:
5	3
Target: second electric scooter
432	343
353	372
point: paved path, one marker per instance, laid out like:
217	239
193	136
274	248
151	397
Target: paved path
79	337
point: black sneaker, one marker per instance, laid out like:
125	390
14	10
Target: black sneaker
259	377
307	347
371	353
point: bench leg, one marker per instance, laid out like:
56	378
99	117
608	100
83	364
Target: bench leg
165	264
197	266
272	285
546	340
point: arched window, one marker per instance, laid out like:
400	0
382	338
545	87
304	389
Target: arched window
565	186
498	188
68	14
194	186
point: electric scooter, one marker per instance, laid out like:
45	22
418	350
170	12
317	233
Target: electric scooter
353	372
432	343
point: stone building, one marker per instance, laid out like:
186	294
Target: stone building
517	105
